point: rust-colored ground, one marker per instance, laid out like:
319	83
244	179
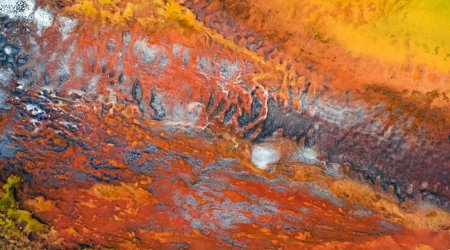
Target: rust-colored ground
104	164
143	184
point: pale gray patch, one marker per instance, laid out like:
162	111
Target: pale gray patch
334	170
146	53
91	56
103	61
91	87
345	116
269	205
325	194
305	210
204	64
216	215
195	109
23	83
8	50
191	113
164	60
373	128
228	70
178	112
157	105
17	8
112	98
3	98
306	155
7	150
264	155
329	112
66	59
280	185
79	67
389	226
5	76
36	47
361	213
304	103
71	126
186	57
359	115
34	109
409	122
229	218
66	26
176	49
224	163
126	38
119	64
111	45
52	57
43	19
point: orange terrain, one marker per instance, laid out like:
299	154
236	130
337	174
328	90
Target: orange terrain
151	124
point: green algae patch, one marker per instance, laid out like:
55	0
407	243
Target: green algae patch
7	200
15	224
